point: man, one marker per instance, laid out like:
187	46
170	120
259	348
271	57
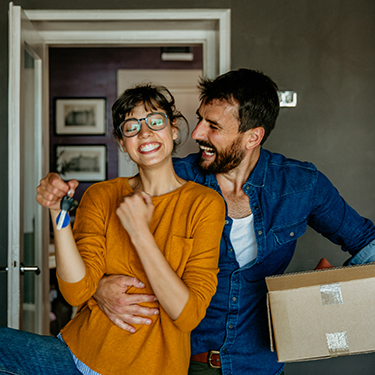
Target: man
270	201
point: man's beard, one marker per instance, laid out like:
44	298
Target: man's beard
224	161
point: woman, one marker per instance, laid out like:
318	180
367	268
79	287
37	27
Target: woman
154	226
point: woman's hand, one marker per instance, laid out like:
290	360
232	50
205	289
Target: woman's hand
52	188
135	213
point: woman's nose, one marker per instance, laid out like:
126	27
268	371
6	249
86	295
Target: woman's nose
145	131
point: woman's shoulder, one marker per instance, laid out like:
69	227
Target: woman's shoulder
197	190
112	188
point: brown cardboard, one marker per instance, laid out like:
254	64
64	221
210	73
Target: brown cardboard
322	314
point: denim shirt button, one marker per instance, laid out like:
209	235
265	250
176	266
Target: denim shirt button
234	299
230	326
256	208
226	222
247	187
260	233
291	234
230	250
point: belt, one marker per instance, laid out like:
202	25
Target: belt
212	358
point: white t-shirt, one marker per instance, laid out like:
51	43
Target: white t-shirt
243	239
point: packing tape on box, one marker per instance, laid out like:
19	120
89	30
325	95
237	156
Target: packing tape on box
331	294
337	343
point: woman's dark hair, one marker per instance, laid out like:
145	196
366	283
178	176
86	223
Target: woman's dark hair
255	93
153	98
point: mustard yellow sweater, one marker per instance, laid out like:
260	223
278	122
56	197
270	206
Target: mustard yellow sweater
187	224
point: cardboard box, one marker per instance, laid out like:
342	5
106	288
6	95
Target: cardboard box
322	314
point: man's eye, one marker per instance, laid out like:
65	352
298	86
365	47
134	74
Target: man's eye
213	127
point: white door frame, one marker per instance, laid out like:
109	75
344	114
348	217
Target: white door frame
113	28
209	27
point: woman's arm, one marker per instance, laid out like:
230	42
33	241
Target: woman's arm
69	264
135	213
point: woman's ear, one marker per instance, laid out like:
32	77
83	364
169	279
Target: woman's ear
255	137
174	129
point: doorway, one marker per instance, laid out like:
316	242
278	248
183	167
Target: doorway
98	28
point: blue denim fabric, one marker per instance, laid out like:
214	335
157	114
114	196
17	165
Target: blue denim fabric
285	196
25	353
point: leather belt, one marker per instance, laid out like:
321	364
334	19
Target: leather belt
212	358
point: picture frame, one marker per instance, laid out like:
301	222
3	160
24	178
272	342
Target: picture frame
80	116
82	162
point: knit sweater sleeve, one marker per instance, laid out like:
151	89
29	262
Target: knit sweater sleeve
90	236
200	273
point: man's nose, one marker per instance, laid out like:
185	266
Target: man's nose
200	131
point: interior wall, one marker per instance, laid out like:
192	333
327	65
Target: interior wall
323	50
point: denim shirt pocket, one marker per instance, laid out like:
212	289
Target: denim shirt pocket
291	232
178	253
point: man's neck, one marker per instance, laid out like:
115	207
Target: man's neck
235	179
231	184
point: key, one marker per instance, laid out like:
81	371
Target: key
66	205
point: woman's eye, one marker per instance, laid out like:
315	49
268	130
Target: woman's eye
131	128
157	122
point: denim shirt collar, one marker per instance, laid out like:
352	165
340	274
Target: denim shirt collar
257	177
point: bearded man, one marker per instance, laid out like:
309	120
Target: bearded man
270	201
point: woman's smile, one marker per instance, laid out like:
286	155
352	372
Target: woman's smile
148	147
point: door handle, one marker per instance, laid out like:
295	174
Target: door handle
24	269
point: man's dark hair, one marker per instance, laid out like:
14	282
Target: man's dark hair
255	93
153	98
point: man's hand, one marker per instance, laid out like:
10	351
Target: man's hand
121	308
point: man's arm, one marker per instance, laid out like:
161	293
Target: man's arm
121	308
366	255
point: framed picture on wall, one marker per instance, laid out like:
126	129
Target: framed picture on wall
76	116
82	162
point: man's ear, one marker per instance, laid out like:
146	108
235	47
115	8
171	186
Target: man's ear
255	137
122	145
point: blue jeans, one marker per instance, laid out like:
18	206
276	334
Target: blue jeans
24	353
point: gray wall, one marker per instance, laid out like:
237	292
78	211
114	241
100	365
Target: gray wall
322	49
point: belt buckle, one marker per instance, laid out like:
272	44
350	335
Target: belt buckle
210	358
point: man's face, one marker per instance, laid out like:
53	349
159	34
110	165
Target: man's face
221	145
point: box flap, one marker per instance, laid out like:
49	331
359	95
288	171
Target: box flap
270	330
320	277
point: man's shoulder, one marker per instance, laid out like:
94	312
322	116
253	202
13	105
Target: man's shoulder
286	175
275	160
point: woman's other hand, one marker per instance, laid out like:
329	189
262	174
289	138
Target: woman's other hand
52	188
135	213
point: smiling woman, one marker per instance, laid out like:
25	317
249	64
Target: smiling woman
154	227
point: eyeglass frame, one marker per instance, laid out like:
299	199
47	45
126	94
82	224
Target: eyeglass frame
140	123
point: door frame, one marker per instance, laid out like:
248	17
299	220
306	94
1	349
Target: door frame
210	28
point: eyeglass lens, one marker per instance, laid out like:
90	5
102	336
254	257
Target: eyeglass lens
155	121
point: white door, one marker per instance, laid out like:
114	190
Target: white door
26	285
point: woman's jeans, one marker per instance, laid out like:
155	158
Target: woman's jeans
24	353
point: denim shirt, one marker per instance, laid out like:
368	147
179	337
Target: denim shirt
285	196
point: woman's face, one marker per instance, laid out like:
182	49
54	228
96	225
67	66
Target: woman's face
149	147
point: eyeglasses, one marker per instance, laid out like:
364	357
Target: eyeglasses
155	121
